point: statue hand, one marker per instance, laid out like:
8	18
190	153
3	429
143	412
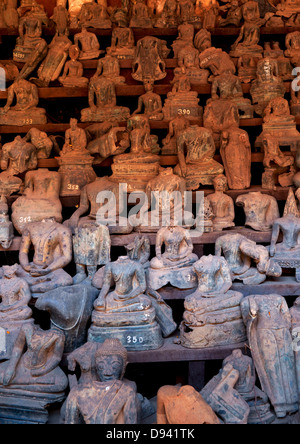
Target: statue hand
39	272
272	250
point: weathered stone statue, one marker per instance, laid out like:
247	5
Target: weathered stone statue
75	162
25	111
129	312
175	265
148	64
109	67
52	243
150	103
247	67
212	315
267	86
234	14
88	44
189	58
122	43
102	103
40	199
295	328
198	165
17	157
93	14
168	17
235	150
248	262
176	127
6	227
9	14
41	141
74	8
183	405
260	209
140	15
185	38
112	399
72	76
292	43
31	379
222	205
268	323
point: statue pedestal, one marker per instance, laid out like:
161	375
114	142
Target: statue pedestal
200	173
22	53
123	53
76	171
105	113
183	278
284	131
32	116
135	330
183	103
288	259
136	175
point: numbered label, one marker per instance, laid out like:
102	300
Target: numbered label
27	122
73	187
25	220
184	112
19	55
134	340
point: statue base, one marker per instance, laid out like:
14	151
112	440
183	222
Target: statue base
183	104
124	53
22	53
33	116
105	113
197	76
183	278
250	51
136	175
288	259
201	173
285	132
132	337
76	172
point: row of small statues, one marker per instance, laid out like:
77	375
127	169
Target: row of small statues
158	13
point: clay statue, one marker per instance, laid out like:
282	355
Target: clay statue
247	67
75	162
185	38
286	252
41	142
183	405
25	111
129	312
198	165
268	324
106	139
165	194
140	15
112	400
102	101
40	199
212	315
88	45
6	227
222	205
181	99
256	399
189	58
267	86
292	43
234	14
122	43
31	379
72	76
176	127
17	157
9	14
93	14
140	165
294	312
235	150
109	67
150	103
248	262
186	12
175	265
148	64
74	8
52	244
261	210
214	59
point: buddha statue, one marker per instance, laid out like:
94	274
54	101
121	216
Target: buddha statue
88	45
109	67
75	162
248	262
168	17
93	14
175	265
17	157
140	15
74	8
268	321
212	315
40	140
260	209
267	86
292	43
181	99
140	165
222	205
102	103
112	399
185	38
189	58
198	165
233	12
247	67
40	199
150	103
106	139
122	42
235	150
31	379
25	111
214	59
129	312
176	127
9	14
148	64
186	12
72	76
6	227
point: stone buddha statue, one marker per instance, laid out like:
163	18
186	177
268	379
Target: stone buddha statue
140	15
189	58
148	64
150	103
292	43
25	111
6	227
260	209
222	205
72	76
198	165
112	399
41	141
88	44
176	127
212	314
93	14
129	312
175	265
102	101
122	42
109	67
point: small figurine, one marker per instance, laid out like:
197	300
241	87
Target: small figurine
261	210
292	43
222	205
212	315
88	45
42	143
6	227
214	59
122	43
148	64
102	101
185	38
247	67
197	166
93	14
9	13
189	59
248	262
109	67
168	17
234	14
176	127
106	139
151	102
25	111
72	76
74	8
175	265
140	15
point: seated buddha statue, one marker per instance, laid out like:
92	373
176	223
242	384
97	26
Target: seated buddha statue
72	76
150	103
109	66
93	14
222	205
88	44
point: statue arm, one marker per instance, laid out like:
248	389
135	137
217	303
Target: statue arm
218	246
141	279
274	238
72	410
181	156
130	408
24	250
10	98
100	301
67	249
56	355
140	106
15	358
83	209
158	245
240	37
91	97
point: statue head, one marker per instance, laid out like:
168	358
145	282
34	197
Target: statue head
73	123
220	182
111	360
10	271
273	269
148	86
74	52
